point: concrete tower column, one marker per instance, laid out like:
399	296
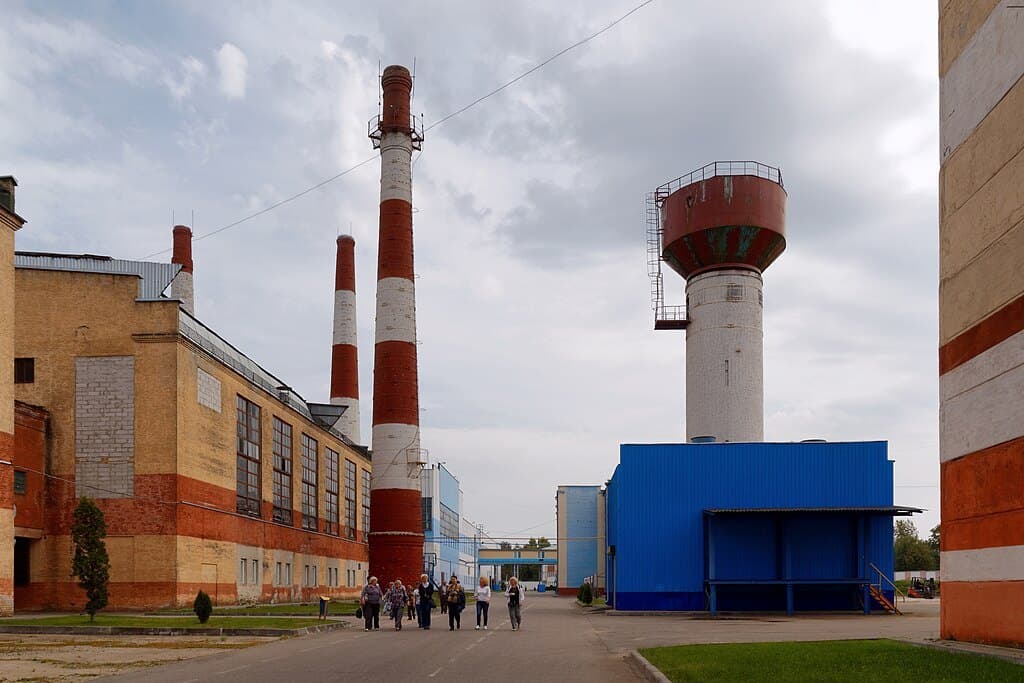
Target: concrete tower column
181	285
724	356
344	356
10	222
396	535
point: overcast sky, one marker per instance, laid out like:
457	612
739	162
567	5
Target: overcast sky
537	354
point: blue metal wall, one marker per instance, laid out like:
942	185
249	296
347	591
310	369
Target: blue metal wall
658	493
581	546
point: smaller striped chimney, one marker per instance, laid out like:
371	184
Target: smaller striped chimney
344	357
181	286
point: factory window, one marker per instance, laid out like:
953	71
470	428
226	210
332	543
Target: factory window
309	477
449	524
24	370
331	494
760	297
247	479
350	499
255	571
287	573
282	472
734	293
427	504
277	574
242	567
366	504
20	481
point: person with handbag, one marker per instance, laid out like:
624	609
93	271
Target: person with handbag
426	589
410	603
370	600
455	596
515	597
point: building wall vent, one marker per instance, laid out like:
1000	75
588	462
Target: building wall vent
734	293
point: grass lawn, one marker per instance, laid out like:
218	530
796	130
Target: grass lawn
157	622
335	608
864	661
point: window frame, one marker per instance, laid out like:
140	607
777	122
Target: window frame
24	370
310	478
366	485
283	454
427	513
247	425
350	522
331	512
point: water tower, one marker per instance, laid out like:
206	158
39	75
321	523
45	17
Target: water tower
719	227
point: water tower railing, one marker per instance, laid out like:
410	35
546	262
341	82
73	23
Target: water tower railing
720	168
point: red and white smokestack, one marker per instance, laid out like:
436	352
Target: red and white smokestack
396	538
181	285
344	358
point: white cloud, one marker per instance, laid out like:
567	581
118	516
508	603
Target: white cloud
189	73
233	64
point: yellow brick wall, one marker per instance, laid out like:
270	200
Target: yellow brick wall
63	315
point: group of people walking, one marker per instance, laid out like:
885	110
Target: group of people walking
399	601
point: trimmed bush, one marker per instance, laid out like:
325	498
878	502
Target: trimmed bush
203	607
585	594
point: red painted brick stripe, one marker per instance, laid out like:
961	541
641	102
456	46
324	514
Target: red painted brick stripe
395	384
344	371
1000	326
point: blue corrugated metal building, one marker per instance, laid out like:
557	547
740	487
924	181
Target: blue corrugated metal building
749	526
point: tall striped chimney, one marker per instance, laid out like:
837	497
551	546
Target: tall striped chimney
396	536
181	285
344	358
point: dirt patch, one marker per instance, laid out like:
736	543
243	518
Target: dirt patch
81	658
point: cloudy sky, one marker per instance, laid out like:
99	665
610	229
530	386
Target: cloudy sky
537	354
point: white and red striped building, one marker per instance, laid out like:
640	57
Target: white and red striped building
396	537
981	320
344	355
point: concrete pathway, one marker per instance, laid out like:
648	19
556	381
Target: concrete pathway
559	642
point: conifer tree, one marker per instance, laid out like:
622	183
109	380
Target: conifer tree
91	563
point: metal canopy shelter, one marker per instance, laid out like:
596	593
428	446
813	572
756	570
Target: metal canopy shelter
783	574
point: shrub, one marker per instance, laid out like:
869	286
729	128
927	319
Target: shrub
203	607
585	594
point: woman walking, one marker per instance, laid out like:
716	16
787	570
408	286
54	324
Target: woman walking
456	599
410	603
396	599
515	603
426	591
370	600
483	601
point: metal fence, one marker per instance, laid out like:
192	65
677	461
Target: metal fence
720	168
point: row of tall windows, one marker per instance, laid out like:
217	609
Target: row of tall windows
449	525
248	459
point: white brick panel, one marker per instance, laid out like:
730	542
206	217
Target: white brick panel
105	426
1004	563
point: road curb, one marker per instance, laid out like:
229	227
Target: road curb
170	631
648	670
1007	654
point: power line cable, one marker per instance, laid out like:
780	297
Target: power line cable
433	125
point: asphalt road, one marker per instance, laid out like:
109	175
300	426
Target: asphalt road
558	642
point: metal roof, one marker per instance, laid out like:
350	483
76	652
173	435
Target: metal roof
154	277
895	510
222	351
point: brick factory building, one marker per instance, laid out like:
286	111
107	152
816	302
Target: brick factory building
212	473
981	320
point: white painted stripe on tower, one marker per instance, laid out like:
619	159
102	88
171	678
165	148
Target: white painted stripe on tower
345	317
348	423
395	171
396	310
994	361
984	416
990	64
392	445
1004	563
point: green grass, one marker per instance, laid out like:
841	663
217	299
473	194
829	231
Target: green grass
864	661
335	608
158	622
